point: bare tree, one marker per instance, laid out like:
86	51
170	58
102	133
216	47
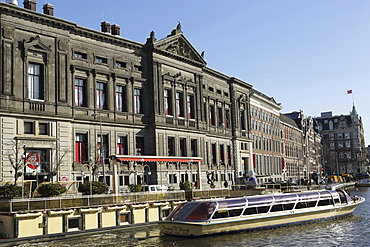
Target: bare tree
60	155
17	159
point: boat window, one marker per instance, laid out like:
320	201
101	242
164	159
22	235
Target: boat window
288	206
342	196
227	213
250	210
220	214
301	205
277	207
182	210
260	200
325	202
202	212
232	203
235	212
263	209
311	204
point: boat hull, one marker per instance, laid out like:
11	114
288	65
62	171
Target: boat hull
194	229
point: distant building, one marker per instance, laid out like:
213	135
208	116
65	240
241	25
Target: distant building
311	152
344	149
266	134
292	137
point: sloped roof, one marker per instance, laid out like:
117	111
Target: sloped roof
288	120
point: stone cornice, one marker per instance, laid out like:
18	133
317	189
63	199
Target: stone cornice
68	26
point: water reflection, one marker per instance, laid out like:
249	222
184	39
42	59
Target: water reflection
350	231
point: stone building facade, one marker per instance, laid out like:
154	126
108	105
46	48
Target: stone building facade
72	97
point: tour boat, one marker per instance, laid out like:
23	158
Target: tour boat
363	183
216	216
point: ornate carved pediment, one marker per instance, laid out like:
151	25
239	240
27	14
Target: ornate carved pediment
178	45
36	43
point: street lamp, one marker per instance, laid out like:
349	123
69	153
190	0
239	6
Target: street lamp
101	146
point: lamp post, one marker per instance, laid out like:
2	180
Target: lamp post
23	167
101	146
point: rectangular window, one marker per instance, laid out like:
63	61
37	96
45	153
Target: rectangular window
179	104
120	98
213	151
100	95
228	155
120	64
80	92
101	60
172	178
139	145
29	128
122	145
43	129
227	118
138	68
171	146
194	147
81	148
73	224
212	115
137	100
80	55
242	120
168	102
183	147
220	117
190	105
222	154
35	81
103	148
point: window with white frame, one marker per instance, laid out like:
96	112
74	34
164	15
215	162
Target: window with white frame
100	95
120	98
137	101
35	81
80	92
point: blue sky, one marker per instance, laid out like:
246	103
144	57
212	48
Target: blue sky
305	53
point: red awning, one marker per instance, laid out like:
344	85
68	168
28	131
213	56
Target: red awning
158	158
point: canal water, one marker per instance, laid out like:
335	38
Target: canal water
350	231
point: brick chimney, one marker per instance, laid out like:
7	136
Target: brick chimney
105	27
30	4
48	9
116	30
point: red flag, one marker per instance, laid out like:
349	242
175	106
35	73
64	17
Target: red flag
349	91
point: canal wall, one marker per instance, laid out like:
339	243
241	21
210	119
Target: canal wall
53	222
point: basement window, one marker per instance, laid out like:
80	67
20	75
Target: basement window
74	224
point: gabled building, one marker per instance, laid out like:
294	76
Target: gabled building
344	149
311	154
